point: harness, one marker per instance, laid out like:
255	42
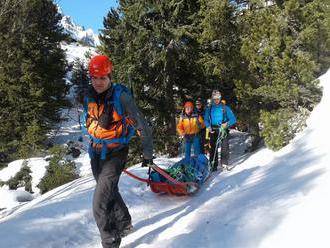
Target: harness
110	104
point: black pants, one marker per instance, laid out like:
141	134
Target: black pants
224	149
110	212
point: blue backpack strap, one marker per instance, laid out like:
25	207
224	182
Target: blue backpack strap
118	89
83	120
84	117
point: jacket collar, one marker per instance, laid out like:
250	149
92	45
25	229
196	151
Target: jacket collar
104	96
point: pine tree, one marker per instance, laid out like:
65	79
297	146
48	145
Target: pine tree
315	34
281	66
153	46
263	55
32	68
59	171
32	140
220	39
80	79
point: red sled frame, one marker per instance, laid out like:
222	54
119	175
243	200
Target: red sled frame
172	187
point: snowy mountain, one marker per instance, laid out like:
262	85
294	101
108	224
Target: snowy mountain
87	40
78	33
270	199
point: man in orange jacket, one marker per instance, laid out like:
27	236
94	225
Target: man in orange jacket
112	118
189	126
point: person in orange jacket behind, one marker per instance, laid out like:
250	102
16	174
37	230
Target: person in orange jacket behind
189	126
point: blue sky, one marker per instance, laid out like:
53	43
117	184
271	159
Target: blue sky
87	13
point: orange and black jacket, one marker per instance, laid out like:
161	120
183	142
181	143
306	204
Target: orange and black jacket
111	119
190	125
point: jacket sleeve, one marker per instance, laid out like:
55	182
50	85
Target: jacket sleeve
140	123
231	117
207	118
180	127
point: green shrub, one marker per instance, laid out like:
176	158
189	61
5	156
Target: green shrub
280	126
21	179
60	171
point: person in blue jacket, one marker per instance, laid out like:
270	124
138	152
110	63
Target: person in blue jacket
218	119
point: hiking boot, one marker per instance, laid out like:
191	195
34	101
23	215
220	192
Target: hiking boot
126	230
112	242
230	167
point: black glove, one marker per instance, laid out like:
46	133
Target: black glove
147	162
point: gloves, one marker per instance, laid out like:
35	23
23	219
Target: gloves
225	125
146	162
207	134
207	146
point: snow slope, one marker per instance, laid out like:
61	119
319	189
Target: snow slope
270	199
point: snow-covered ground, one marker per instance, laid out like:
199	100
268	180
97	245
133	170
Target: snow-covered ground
270	199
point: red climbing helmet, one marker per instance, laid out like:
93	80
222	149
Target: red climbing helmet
100	65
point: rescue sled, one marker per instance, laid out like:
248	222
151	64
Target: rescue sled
181	178
172	186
